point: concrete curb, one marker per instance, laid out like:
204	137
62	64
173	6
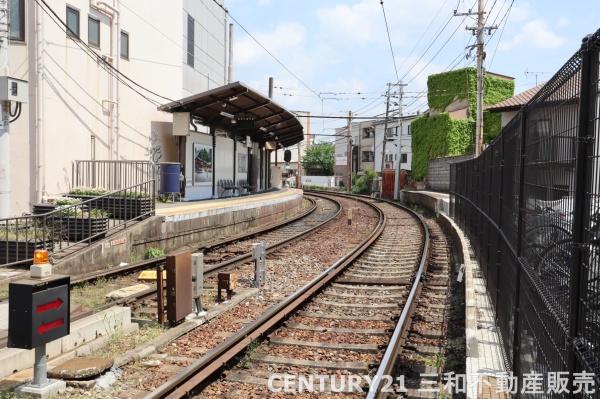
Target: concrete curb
484	352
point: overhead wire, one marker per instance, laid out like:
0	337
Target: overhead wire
389	37
302	82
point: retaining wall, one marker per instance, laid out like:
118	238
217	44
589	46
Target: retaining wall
172	233
438	173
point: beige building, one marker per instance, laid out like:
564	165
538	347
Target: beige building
78	110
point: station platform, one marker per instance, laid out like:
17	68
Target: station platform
188	210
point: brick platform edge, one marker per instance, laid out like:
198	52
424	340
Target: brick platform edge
484	354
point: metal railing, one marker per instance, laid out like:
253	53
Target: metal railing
530	205
80	222
112	175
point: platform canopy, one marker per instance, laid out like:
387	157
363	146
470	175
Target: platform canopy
241	110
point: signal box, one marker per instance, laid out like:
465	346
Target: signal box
38	311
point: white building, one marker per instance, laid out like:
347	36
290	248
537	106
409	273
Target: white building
77	109
367	146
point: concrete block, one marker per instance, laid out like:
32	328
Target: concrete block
13	360
95	326
52	388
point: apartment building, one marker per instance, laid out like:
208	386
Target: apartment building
79	107
367	146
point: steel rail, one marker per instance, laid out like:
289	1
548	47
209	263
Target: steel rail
210	269
201	370
398	336
152	263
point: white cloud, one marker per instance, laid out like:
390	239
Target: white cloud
536	34
282	39
520	12
264	2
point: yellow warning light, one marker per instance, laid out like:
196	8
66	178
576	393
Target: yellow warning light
40	256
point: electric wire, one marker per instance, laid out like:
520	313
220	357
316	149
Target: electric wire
389	37
302	82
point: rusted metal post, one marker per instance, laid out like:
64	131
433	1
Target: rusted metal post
160	294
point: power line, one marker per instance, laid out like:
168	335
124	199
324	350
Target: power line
267	50
124	79
389	36
505	18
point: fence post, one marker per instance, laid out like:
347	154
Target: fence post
581	204
517	311
499	252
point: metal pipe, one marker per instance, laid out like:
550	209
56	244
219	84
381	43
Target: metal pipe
271	87
40	374
230	63
5	171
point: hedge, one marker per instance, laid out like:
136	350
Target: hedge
438	136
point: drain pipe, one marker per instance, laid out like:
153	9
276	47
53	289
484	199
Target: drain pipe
230	64
115	52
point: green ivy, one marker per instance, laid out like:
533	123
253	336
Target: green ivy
438	136
442	136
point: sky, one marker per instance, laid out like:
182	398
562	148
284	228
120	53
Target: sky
336	49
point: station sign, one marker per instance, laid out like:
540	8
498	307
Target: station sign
38	311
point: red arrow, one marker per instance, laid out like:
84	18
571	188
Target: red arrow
45	327
57	303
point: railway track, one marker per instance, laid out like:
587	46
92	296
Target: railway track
350	320
232	251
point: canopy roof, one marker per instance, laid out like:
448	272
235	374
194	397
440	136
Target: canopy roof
241	110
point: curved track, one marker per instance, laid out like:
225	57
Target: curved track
341	323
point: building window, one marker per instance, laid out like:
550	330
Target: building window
16	20
124	45
389	132
368	156
408	130
94	32
368	132
190	41
403	158
72	22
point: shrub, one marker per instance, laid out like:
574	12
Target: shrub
153	253
363	184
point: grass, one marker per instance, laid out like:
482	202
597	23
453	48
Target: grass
92	295
247	360
153	253
121	342
436	361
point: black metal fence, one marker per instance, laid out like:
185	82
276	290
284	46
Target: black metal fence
530	205
74	223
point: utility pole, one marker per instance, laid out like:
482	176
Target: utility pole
5	188
385	128
479	32
230	63
349	153
399	138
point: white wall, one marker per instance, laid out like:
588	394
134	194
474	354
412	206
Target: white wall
70	104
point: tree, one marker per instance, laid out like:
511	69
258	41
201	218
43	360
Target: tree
319	160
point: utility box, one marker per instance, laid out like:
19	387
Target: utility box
12	89
38	311
179	287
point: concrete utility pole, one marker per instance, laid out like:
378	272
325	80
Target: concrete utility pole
385	128
5	188
349	153
479	31
399	138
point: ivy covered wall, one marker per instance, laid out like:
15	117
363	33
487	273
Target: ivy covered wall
440	135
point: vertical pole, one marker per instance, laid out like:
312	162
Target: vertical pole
583	188
160	295
399	138
349	153
5	186
213	133
230	63
234	159
40	374
271	87
517	311
480	78
385	127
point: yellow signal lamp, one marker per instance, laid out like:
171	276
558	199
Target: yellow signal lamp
40	256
